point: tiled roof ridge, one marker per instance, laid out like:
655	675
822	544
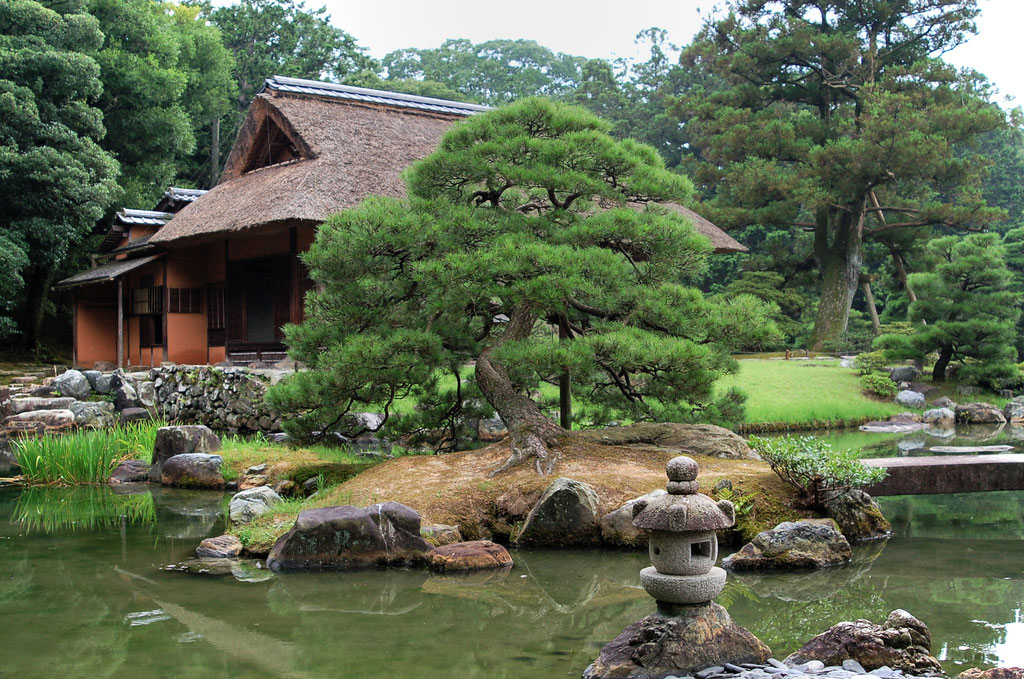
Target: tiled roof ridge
398	99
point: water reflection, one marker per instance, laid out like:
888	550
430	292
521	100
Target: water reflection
108	610
81	508
921	442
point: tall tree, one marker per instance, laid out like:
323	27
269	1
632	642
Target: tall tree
282	37
149	130
839	117
57	180
966	311
493	72
517	223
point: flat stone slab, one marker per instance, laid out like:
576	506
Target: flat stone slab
948	474
892	427
972	449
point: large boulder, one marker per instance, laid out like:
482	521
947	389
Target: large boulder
904	373
663	645
251	503
29	403
73	383
351	537
178	440
469	556
902	643
129	471
93	414
566	514
617	527
99	382
38	422
123	390
812	543
910	399
688	439
193	470
858	516
939	417
979	413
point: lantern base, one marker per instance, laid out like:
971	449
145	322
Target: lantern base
683	589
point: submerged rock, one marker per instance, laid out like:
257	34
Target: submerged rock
566	514
664	645
812	543
902	643
469	556
129	471
251	503
193	470
858	516
351	537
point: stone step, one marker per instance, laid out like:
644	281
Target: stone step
30	403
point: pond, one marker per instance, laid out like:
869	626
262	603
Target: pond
925	441
82	594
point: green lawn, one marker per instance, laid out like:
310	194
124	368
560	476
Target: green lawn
801	391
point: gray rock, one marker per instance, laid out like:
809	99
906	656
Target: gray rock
351	537
92	376
859	517
851	665
910	399
178	440
944	402
129	471
904	374
698	641
979	413
257	468
146	393
812	543
220	547
93	414
942	417
1013	411
566	514
617	527
73	383
30	403
133	415
124	392
901	643
193	470
491	429
251	503
441	534
38	422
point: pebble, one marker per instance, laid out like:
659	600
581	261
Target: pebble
813	669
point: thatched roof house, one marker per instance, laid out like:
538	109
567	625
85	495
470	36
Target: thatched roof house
213	276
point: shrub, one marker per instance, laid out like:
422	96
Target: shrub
813	468
869	362
879	385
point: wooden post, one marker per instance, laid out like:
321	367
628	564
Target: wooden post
865	282
214	151
564	384
120	323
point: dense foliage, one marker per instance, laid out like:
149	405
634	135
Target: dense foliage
966	312
813	468
839	118
57	180
527	218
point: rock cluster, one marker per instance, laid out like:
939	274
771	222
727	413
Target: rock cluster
225	399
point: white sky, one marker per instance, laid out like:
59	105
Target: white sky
606	28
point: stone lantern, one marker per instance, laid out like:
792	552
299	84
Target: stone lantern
682	539
689	632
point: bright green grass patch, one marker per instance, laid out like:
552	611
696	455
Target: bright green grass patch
803	392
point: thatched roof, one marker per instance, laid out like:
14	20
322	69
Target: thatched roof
107	272
344	151
309	149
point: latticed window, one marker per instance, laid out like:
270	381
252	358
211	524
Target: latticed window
185	300
148	300
215	308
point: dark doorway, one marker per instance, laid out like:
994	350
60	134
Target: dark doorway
259	305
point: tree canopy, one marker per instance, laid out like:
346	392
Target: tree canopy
526	218
57	180
840	118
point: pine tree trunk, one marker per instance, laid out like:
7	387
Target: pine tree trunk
839	259
37	287
939	371
531	434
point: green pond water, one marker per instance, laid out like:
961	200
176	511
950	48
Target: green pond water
82	594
